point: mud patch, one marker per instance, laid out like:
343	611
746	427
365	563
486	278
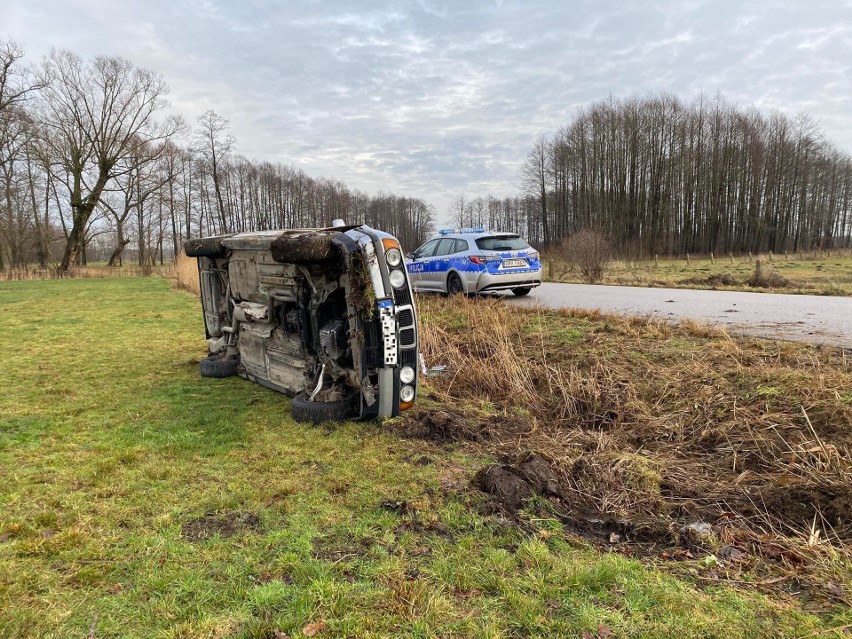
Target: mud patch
805	503
510	486
611	530
214	524
441	426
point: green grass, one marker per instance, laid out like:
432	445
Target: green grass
817	275
110	443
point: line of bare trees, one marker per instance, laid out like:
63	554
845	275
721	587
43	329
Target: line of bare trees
91	163
658	175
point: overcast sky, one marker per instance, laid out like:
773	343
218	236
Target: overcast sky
433	99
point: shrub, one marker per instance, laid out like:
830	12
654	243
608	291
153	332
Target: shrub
591	251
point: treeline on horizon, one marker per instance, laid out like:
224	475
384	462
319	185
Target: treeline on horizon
661	176
93	169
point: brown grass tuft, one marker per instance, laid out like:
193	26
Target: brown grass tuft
186	274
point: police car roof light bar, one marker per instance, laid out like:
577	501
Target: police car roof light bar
478	229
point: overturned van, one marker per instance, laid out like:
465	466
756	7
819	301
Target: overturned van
323	315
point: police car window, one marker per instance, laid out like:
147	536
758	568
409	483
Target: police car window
461	246
445	247
427	249
501	243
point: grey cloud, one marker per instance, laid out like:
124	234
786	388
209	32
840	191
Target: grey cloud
430	98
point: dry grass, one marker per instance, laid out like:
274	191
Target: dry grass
643	420
813	273
85	272
186	274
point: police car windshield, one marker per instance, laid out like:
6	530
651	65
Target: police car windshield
501	243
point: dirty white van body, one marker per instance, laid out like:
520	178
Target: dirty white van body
325	316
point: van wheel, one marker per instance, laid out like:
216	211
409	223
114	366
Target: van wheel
214	366
454	285
305	410
523	290
206	247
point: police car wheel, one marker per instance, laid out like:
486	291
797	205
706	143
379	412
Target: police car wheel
523	290
454	285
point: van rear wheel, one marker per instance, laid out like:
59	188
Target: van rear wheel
214	366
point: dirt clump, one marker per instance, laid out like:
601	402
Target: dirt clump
508	489
213	524
762	278
719	279
511	485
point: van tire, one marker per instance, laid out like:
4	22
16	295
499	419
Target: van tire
305	248
214	366
521	291
305	410
205	247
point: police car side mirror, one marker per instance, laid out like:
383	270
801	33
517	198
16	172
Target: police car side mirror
410	255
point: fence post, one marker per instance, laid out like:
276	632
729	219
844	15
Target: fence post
712	259
750	257
687	259
731	253
656	257
770	255
786	256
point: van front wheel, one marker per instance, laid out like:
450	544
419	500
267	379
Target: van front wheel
304	410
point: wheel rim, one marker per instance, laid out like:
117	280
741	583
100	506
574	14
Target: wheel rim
455	284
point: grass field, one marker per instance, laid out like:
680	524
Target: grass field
818	274
140	500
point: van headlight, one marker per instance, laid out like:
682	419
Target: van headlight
406	374
397	278
393	257
406	394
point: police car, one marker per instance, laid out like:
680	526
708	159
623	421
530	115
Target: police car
474	261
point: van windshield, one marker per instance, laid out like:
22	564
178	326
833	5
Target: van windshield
502	243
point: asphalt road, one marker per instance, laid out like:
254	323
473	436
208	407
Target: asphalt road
810	318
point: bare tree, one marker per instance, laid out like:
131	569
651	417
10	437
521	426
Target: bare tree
97	114
534	179
215	145
15	81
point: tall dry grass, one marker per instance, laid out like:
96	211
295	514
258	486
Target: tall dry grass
86	272
185	274
642	417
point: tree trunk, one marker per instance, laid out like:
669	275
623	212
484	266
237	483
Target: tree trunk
82	213
115	258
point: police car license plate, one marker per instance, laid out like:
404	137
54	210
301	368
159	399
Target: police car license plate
514	264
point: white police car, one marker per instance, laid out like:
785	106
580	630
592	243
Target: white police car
474	261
